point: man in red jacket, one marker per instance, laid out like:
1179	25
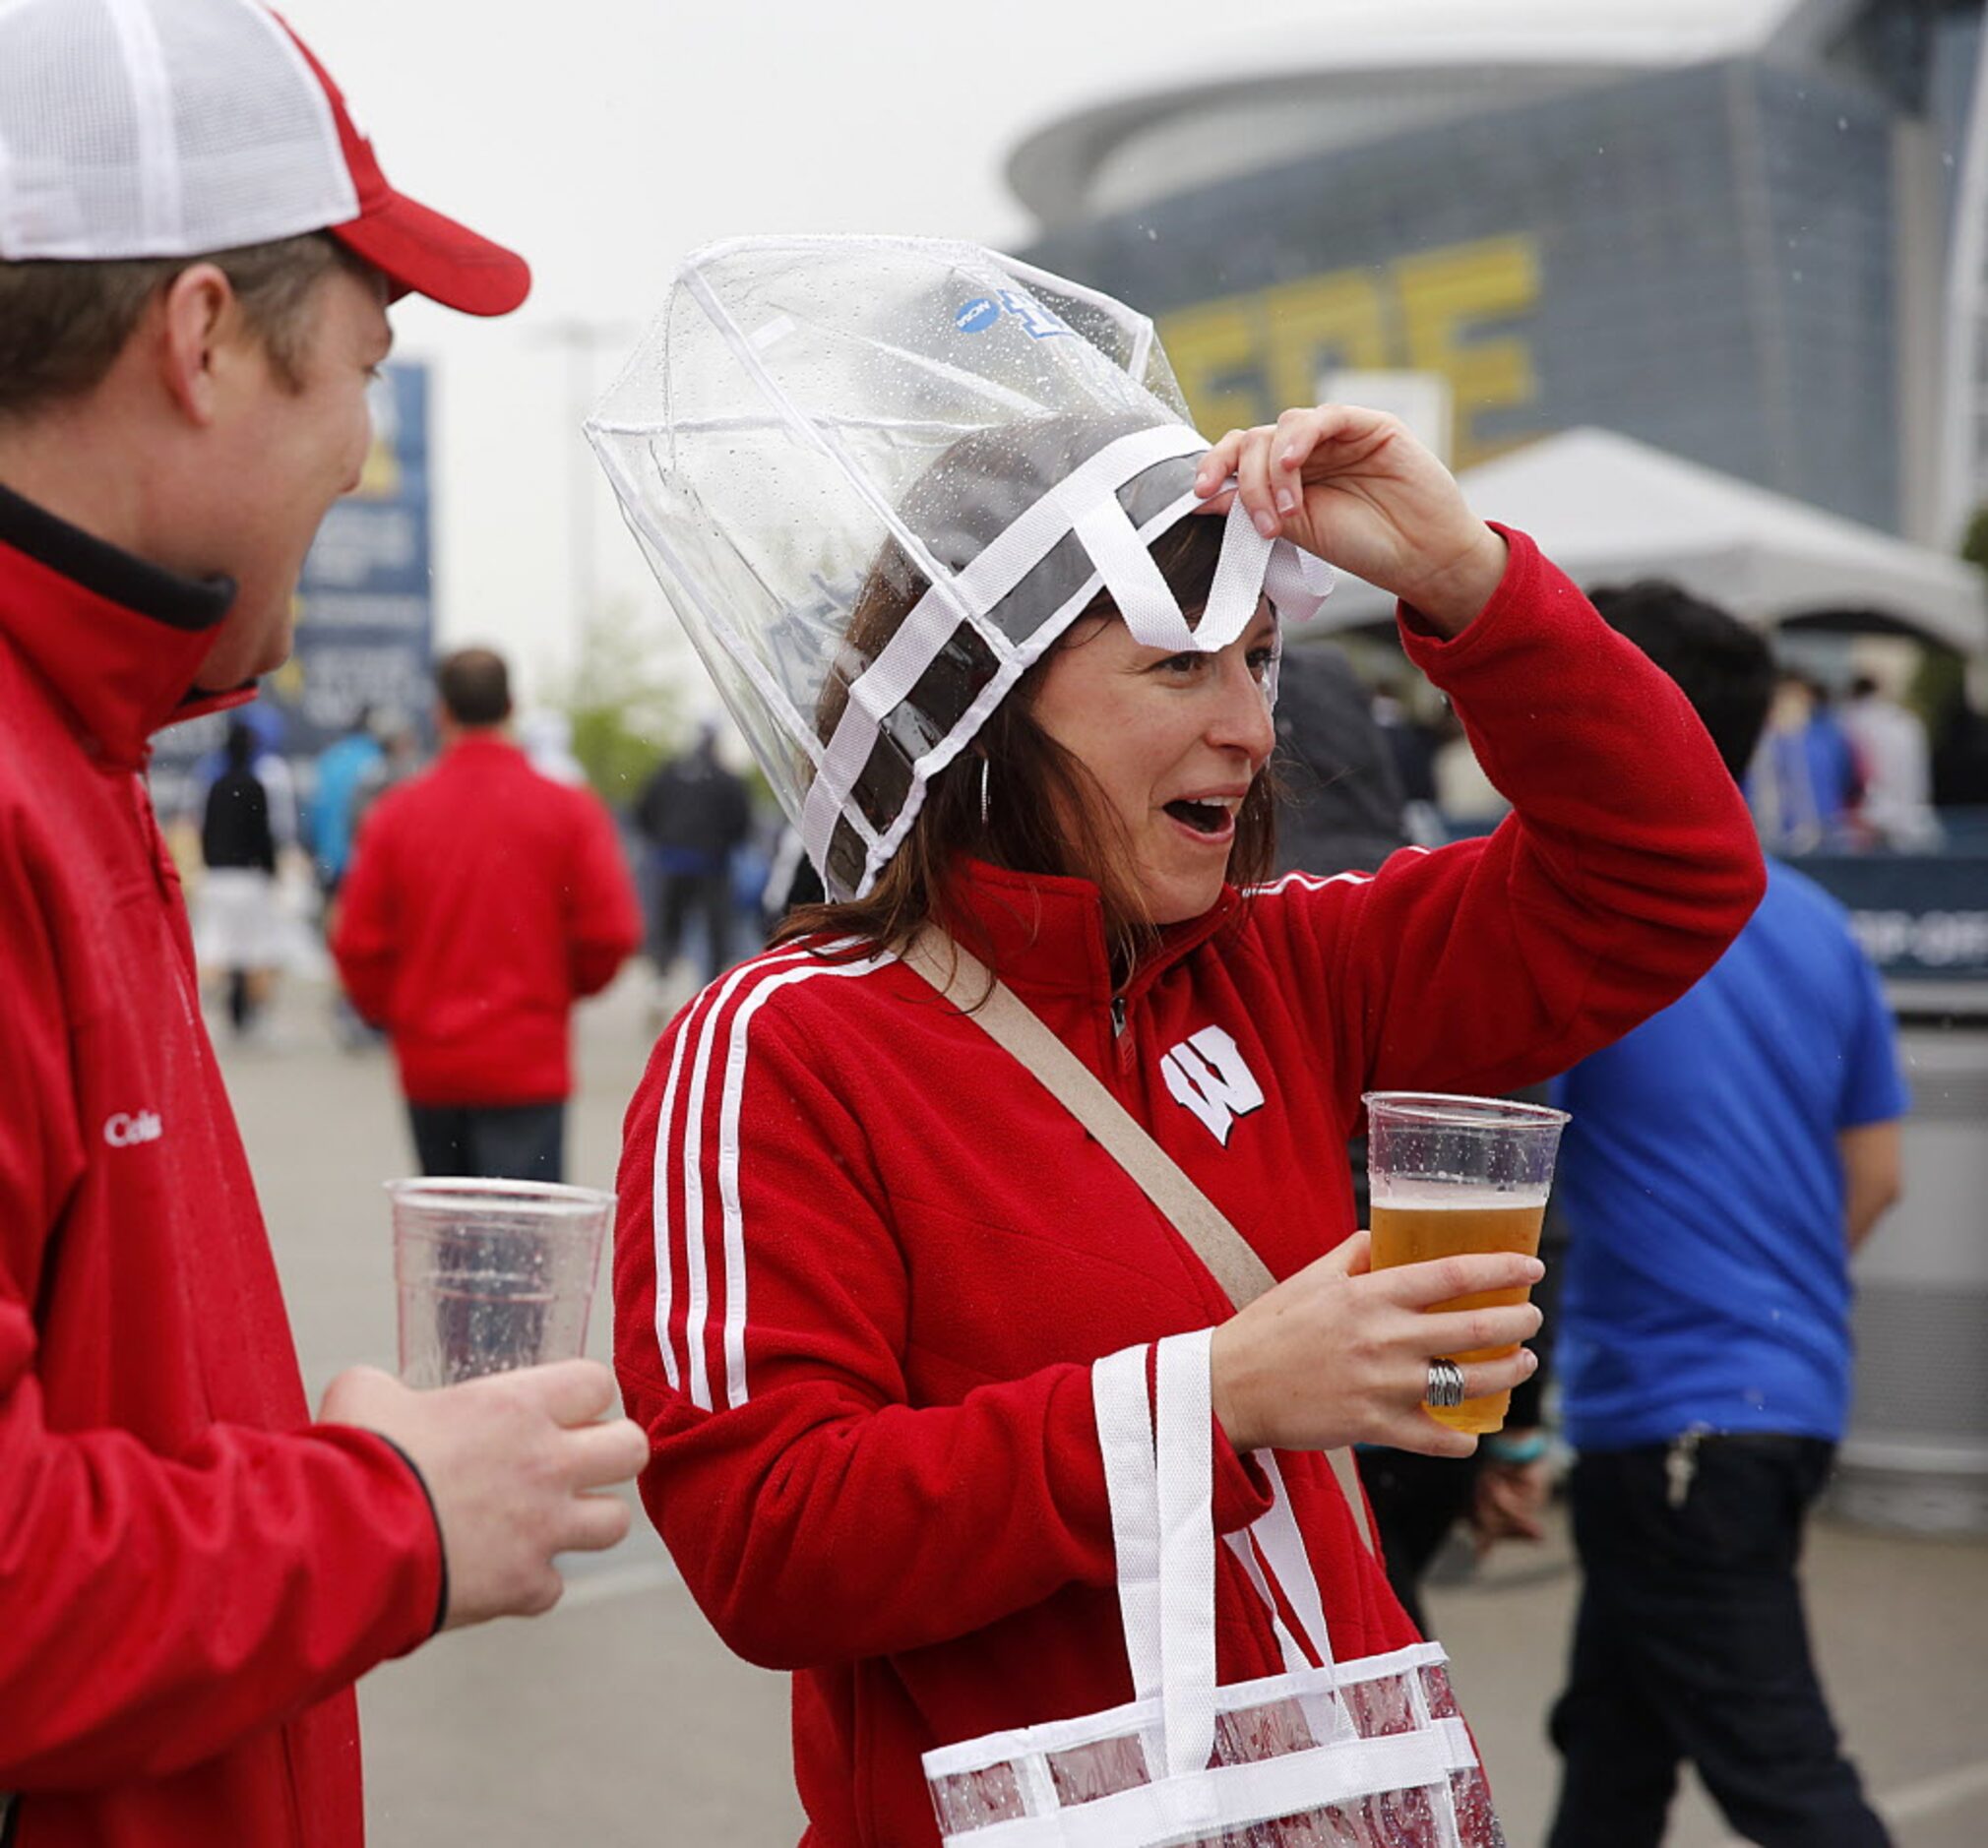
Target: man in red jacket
197	249
484	899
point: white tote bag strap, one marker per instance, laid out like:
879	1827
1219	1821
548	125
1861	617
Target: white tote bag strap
1160	1478
967	981
1124	1412
1276	1535
1295	1658
1277	1532
1186	1553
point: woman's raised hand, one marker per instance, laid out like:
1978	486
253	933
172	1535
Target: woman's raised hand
1340	1353
1354	488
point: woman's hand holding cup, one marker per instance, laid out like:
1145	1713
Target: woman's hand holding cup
1340	1353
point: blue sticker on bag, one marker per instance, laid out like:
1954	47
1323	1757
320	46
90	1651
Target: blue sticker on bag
984	311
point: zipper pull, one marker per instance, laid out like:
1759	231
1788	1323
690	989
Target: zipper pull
1117	1017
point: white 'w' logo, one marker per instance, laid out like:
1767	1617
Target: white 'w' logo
1206	1075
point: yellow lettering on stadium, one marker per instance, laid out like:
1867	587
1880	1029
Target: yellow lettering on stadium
1214	348
1324	323
1446	294
1243	358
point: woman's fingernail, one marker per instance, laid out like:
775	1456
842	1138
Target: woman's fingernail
1532	1360
1266	525
1287	502
1535	1269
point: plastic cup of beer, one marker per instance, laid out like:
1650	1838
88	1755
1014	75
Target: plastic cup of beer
1459	1174
492	1274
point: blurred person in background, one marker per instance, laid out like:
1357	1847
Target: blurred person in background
1336	768
1411	744
1723	1161
346	771
1894	768
343	766
1803	779
273	770
192	1571
483	901
694	813
239	924
402	756
1343	812
1961	745
265	726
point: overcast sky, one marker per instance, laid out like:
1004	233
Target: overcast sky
606	138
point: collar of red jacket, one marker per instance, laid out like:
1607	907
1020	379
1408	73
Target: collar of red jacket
1044	933
119	640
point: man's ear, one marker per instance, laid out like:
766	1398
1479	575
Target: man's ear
196	317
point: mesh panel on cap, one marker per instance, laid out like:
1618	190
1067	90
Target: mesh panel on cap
258	148
68	130
253	151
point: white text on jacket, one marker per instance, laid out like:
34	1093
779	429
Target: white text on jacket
128	1128
1206	1073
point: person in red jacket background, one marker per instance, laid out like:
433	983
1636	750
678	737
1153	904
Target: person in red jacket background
192	1571
483	901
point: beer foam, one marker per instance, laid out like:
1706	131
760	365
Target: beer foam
1426	1195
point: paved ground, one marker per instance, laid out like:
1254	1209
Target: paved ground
619	1720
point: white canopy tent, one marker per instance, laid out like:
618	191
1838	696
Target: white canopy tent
1608	508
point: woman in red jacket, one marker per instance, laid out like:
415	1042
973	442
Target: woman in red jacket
864	1262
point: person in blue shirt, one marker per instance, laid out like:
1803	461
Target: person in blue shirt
341	769
1804	782
1722	1162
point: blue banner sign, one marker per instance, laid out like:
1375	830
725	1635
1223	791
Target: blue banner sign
1917	915
365	615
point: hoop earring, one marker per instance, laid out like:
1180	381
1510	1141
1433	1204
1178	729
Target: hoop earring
986	764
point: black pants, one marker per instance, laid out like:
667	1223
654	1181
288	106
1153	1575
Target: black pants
1416	1500
708	895
500	1142
1692	1644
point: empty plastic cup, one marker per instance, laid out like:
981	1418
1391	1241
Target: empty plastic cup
493	1274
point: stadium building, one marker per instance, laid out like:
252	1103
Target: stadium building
1749	236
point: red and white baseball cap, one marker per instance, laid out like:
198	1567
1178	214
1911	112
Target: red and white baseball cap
175	128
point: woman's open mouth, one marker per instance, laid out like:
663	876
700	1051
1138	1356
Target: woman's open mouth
1208	821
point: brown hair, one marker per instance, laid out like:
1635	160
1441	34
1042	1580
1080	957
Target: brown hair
62	324
476	687
1034	784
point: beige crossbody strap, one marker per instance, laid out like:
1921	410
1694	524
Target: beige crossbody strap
963	978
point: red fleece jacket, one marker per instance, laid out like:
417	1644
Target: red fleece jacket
864	1262
484	899
190	1572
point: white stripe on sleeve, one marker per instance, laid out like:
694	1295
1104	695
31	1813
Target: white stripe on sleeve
660	1220
1317	881
727	1163
666	1223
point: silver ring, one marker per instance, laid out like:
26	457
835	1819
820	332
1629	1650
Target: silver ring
1446	1386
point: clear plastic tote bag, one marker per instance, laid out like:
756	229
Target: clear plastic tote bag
1368	1754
